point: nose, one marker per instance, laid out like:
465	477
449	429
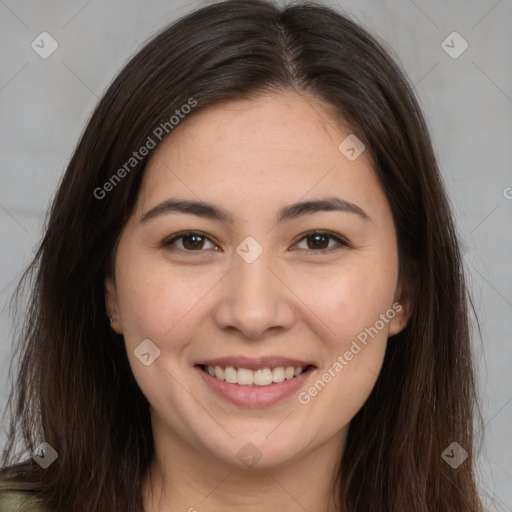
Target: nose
254	300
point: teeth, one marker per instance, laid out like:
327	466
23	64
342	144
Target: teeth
245	377
230	374
289	372
219	373
278	374
262	377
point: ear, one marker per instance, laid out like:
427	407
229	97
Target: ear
403	305
112	306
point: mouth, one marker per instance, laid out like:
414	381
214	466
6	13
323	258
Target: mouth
253	383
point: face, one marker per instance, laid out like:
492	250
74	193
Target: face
282	281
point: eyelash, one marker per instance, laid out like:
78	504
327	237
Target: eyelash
341	241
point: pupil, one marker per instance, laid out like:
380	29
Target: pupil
193	241
320	241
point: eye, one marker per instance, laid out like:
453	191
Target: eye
190	241
320	241
315	241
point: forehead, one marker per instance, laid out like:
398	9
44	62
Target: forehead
285	125
281	146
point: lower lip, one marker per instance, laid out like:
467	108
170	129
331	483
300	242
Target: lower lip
255	396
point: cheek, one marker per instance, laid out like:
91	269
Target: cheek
349	384
158	304
155	301
355	306
348	300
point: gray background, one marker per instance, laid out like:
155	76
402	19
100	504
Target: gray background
44	105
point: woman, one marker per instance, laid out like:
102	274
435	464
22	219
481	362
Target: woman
249	293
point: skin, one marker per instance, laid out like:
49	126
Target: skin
252	157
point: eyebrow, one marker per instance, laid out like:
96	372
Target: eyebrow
287	213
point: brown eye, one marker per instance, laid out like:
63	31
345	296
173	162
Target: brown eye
318	241
191	242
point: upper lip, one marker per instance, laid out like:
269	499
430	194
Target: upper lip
256	363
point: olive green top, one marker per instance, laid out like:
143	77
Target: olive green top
16	497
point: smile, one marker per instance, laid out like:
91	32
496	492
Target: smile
254	383
248	377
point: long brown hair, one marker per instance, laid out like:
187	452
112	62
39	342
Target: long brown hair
74	387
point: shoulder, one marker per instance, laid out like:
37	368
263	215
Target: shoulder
18	497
